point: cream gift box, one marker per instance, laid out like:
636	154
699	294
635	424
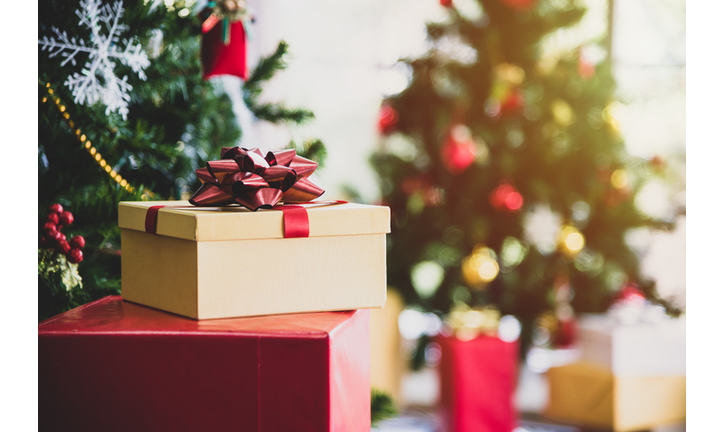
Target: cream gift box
630	377
222	262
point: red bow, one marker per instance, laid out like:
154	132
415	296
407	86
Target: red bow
246	177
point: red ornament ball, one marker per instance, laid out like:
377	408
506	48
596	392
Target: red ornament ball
77	242
66	218
62	237
75	256
387	119
457	155
63	247
513	102
586	69
53	218
50	226
566	334
506	198
521	5
56	208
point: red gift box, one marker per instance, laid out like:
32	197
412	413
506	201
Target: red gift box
112	365
477	382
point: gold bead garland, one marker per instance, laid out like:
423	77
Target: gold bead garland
86	142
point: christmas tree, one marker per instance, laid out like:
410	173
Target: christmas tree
125	113
505	171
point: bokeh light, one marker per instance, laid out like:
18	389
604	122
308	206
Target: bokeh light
414	323
426	278
480	267
571	240
509	328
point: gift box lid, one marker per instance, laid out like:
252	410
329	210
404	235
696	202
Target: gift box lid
113	315
182	220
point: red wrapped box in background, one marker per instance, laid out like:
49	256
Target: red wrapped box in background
477	382
112	365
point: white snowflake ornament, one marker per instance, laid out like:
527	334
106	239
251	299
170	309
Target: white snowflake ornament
97	81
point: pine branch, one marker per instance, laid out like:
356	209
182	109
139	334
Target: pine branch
382	406
276	113
264	71
267	67
313	149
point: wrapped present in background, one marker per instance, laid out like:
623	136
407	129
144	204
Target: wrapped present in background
478	372
114	365
631	374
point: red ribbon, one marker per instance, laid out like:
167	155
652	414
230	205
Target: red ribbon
294	217
247	177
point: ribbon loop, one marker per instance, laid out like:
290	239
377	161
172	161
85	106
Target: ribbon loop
247	177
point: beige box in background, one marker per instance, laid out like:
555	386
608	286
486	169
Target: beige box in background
590	395
230	262
386	363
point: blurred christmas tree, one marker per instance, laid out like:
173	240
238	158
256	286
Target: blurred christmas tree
507	177
126	114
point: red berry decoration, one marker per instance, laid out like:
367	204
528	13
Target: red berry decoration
56	208
387	119
66	218
75	256
50	226
77	242
53	218
62	237
52	235
63	247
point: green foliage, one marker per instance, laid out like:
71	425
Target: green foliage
271	112
557	149
382	406
176	122
312	149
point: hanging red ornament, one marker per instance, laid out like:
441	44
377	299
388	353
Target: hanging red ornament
521	5
631	294
458	150
506	198
387	119
56	208
223	39
586	69
513	102
657	162
566	333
